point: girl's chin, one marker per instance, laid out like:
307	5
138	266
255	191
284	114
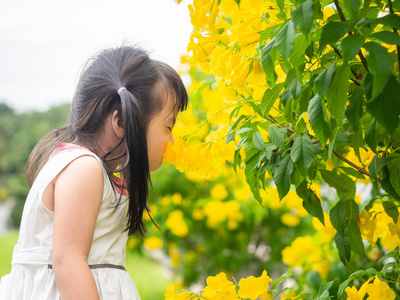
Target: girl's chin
154	166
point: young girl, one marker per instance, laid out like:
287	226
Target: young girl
78	214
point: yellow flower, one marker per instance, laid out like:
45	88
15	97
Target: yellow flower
367	225
153	243
219	192
219	287
395	228
153	210
197	214
353	294
327	232
177	224
377	224
177	199
217	212
290	220
308	253
379	290
328	11
252	287
171	295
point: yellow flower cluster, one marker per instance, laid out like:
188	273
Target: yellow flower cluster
378	290
291	201
218	211
375	224
225	38
312	252
220	288
197	160
153	243
176	223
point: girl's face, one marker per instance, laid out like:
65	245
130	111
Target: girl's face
159	133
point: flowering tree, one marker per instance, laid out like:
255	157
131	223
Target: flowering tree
296	96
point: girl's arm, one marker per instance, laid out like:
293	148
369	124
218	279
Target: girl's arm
78	192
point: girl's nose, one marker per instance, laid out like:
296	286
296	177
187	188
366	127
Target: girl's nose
172	139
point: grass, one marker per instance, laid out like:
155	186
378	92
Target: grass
147	273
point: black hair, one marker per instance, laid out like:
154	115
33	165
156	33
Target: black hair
148	83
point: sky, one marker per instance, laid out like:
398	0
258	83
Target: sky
44	43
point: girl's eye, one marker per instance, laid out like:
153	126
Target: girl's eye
170	128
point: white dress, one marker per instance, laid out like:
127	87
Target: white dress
31	276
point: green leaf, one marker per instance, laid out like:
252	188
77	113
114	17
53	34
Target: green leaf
332	141
391	20
344	185
371	135
268	61
269	98
343	137
337	94
300	45
355	108
311	203
279	280
353	7
380	65
304	99
258	141
331	33
230	136
389	98
324	79
316	117
302	153
284	39
373	168
252	178
325	287
282	176
386	184
244	130
343	246
387	37
242	141
395	179
393	254
303	15
352	230
295	88
256	107
337	216
354	237
324	296
391	210
276	136
351	45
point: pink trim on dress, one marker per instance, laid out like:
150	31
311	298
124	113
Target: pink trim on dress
64	146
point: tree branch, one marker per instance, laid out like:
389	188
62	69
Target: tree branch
343	19
339	10
359	169
354	73
391	11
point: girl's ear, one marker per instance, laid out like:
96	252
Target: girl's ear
117	125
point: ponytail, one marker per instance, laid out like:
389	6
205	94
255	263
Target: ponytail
136	174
